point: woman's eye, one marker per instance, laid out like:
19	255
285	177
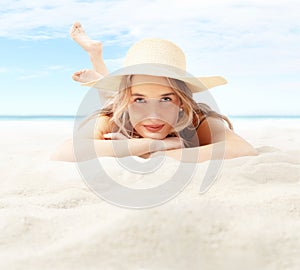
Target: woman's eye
139	100
164	99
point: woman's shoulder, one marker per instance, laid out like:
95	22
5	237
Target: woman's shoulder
103	125
96	127
199	117
208	115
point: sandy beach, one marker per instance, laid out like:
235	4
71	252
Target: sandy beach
249	219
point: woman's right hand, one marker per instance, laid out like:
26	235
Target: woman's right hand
156	145
169	144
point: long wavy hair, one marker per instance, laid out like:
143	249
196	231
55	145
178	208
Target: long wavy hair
188	122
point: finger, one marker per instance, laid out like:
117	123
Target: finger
115	136
107	136
120	136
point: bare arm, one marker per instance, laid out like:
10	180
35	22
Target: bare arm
232	147
101	148
95	139
113	148
216	142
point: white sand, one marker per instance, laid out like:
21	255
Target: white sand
249	219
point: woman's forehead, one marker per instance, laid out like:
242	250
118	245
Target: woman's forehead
147	79
150	85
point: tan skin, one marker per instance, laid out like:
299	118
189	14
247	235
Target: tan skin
94	50
212	131
140	94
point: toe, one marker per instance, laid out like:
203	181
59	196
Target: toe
76	24
75	28
77	73
76	76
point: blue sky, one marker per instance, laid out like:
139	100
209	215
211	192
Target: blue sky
253	44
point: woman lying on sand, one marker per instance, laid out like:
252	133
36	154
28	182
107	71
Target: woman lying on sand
153	107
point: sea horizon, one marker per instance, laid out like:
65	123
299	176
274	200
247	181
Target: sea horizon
72	117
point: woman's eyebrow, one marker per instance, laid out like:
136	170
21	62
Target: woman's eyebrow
163	95
168	94
137	94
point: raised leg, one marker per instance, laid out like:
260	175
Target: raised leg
92	47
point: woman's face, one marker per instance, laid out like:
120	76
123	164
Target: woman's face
153	107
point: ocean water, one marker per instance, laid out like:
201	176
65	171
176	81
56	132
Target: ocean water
37	117
72	117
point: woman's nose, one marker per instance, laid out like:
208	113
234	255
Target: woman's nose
153	109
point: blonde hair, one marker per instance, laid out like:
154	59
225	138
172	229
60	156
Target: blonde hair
116	109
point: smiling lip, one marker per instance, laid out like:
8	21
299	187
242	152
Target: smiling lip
153	128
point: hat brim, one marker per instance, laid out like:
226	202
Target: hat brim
112	81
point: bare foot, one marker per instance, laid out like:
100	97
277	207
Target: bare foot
79	36
86	75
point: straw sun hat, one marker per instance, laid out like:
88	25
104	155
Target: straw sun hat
156	57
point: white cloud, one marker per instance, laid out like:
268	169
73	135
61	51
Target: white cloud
4	70
248	35
131	19
33	75
114	64
58	68
27	74
249	42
